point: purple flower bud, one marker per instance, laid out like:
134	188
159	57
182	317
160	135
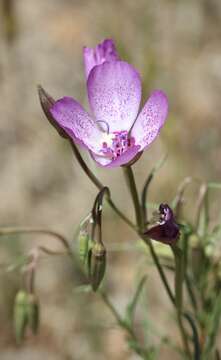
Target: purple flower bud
167	231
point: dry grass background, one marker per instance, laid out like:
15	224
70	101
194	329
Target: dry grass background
175	45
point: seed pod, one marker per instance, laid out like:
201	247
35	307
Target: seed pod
33	313
20	315
83	242
96	264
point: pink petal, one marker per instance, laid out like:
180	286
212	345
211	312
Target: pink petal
77	123
151	119
121	160
105	51
114	92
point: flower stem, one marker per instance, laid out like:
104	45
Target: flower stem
129	176
98	184
140	224
160	270
179	279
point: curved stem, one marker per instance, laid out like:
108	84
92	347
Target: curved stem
98	184
29	230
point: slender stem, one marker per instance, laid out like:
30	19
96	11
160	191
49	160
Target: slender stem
144	196
191	293
84	166
111	307
140	224
179	278
160	270
120	214
27	230
134	193
177	301
98	184
144	353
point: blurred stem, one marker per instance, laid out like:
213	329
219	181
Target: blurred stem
29	230
179	278
191	292
9	22
202	212
98	184
160	269
140	350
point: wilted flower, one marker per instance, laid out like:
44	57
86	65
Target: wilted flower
167	231
114	134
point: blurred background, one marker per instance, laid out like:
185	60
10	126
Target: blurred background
175	45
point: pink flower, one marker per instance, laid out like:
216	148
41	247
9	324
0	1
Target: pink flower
114	132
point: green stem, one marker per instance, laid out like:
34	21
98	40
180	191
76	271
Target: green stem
191	293
140	350
160	270
98	184
129	176
140	224
179	278
177	302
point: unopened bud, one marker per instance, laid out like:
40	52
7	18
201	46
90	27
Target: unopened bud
33	313
46	103
96	264
20	315
83	242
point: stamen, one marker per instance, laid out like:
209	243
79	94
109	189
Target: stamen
116	143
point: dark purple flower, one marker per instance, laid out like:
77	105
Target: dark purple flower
167	231
115	134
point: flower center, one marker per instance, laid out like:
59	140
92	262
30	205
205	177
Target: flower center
116	143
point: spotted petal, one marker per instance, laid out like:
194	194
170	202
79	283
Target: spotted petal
105	51
114	92
77	123
151	119
125	158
